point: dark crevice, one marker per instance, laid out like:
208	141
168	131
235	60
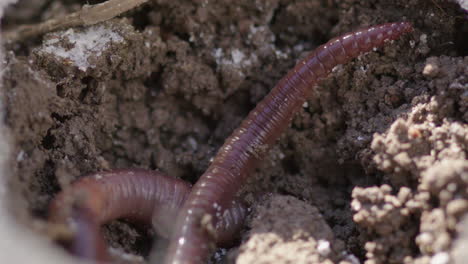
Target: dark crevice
461	33
171	54
190	174
153	85
49	140
91	85
141	18
60	118
276	12
60	90
290	165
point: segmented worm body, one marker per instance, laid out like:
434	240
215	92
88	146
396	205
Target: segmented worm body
139	195
193	238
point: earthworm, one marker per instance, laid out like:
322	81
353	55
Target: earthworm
139	195
194	236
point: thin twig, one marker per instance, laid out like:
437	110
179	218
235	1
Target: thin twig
88	15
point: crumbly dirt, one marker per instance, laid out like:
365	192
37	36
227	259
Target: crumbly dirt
372	170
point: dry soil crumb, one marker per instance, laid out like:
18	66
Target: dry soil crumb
426	149
287	230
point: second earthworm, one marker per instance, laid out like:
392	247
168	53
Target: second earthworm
139	195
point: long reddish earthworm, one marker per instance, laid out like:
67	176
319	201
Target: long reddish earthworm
139	195
193	237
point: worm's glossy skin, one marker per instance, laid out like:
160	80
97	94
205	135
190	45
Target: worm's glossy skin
139	195
193	239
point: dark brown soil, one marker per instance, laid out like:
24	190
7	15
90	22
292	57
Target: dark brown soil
378	157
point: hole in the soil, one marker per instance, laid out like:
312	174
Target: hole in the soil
60	90
190	175
169	31
49	140
183	36
13	83
90	85
461	41
83	94
276	12
140	19
290	165
284	191
60	118
356	246
359	177
434	201
171	54
153	83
